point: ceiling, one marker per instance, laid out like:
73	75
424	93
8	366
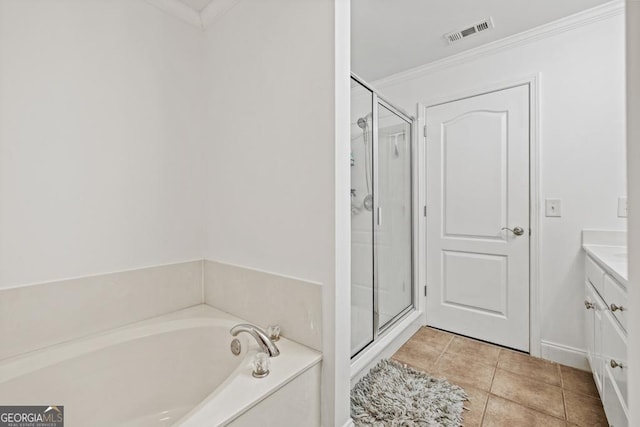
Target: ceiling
388	37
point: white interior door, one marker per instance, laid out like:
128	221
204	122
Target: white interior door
478	189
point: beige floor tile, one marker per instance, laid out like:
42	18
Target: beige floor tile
460	369
503	413
531	367
479	351
578	381
433	337
474	407
417	354
531	393
525	391
584	410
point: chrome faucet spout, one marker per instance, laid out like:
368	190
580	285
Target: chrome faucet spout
259	335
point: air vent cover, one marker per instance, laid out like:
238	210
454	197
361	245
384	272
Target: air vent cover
476	28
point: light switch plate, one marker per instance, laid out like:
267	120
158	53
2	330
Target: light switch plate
622	207
553	208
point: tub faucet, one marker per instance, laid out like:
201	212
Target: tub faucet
261	338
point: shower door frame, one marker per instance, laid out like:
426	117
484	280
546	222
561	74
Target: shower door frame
377	100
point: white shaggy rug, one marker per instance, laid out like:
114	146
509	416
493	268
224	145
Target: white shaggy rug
394	395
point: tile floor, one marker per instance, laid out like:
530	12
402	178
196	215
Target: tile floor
505	387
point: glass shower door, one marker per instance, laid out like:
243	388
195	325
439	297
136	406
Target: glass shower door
382	289
393	230
362	270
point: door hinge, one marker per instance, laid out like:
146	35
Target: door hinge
424	131
424	210
425	290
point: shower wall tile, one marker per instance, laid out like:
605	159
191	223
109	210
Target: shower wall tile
33	317
265	299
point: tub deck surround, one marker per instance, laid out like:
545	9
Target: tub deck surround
37	316
297	404
266	298
145	342
154	372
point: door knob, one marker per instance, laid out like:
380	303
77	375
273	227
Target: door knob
518	231
589	305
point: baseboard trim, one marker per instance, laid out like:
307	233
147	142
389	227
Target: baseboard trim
564	355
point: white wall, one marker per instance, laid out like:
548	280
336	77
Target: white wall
100	136
271	186
582	151
633	162
270	153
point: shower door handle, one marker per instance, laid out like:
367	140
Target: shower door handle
379	216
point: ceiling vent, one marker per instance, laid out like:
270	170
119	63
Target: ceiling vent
476	28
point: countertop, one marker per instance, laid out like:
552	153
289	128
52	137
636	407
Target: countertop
613	259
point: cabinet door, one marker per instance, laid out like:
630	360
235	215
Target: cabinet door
593	320
589	310
598	342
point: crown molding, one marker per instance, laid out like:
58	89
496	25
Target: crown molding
179	10
580	19
215	10
201	20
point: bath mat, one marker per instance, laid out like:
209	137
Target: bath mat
394	395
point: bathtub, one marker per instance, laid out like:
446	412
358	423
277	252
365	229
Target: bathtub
175	369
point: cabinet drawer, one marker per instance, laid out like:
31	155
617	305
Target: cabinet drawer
613	409
616	296
595	275
614	350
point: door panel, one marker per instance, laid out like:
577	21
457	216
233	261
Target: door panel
477	189
474	174
487	273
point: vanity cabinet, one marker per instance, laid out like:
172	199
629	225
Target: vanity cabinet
606	337
594	307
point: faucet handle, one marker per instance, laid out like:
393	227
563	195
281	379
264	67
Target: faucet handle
274	332
260	365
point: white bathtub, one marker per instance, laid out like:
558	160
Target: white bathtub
175	369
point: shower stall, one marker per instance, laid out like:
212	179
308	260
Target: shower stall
382	215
